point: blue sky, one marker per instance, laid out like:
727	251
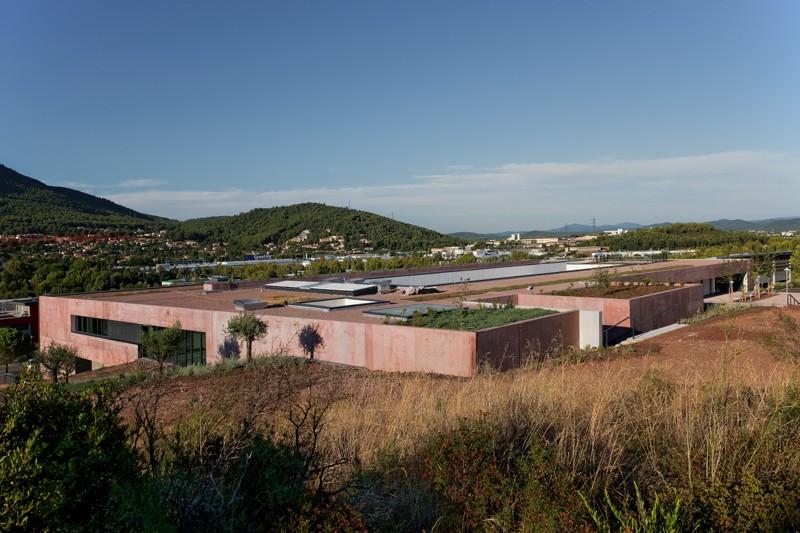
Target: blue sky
481	116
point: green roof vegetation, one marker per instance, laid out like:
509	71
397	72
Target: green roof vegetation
620	292
475	319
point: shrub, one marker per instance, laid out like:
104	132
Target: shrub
62	454
481	476
748	502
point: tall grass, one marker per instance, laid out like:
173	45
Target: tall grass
649	450
690	440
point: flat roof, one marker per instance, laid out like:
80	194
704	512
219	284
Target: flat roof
498	272
192	297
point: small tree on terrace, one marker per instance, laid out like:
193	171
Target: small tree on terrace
14	346
59	359
161	344
310	339
248	328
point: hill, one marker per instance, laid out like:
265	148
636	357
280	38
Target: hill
30	206
280	224
675	236
770	224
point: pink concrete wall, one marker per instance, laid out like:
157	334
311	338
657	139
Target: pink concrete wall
505	347
372	345
644	313
615	311
55	325
378	346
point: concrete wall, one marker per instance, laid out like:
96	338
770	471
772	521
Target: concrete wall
643	313
614	311
371	345
591	321
505	347
378	346
664	308
591	329
56	325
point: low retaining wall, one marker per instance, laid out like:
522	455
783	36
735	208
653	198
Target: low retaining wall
506	347
642	313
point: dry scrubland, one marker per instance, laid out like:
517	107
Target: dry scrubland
704	423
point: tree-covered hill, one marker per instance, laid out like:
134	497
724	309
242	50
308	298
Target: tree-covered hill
771	224
30	206
675	236
280	224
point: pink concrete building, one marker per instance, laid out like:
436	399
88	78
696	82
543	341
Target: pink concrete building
106	327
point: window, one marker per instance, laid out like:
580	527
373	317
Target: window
90	326
191	352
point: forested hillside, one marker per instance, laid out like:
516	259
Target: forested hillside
279	224
29	206
676	236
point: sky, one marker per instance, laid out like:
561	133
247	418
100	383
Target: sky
459	116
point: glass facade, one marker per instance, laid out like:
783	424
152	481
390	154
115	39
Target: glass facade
191	352
90	326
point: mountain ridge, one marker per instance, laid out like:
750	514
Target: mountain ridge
28	205
726	224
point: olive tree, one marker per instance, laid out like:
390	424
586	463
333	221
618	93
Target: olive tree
162	343
248	328
14	346
59	359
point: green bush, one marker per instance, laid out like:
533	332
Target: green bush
483	479
749	503
62	454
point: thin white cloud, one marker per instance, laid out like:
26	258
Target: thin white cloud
535	195
140	183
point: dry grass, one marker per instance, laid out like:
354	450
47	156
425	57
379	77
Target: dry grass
605	426
609	423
